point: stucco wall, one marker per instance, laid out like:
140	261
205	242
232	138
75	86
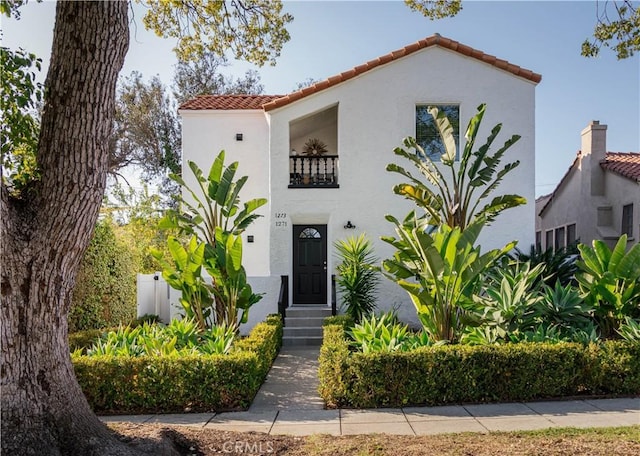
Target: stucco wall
375	112
204	135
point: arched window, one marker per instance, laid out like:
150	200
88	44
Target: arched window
310	233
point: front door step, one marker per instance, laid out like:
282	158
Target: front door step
303	325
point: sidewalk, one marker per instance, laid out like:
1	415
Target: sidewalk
288	403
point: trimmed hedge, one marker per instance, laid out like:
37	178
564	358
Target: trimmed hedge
463	373
162	384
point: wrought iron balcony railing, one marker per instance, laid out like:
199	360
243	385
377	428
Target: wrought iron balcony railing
315	171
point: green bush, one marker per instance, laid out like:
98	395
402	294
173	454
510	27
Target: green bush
346	321
460	373
105	292
154	384
82	340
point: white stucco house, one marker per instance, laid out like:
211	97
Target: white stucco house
597	198
360	115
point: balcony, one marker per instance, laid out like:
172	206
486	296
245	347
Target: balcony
314	171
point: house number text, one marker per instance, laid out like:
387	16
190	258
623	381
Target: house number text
281	219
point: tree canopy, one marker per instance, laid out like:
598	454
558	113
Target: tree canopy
617	24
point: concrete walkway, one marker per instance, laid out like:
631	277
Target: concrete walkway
288	403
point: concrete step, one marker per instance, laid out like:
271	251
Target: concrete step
302	340
302	331
308	311
297	322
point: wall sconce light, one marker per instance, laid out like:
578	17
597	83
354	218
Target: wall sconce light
349	225
250	238
238	136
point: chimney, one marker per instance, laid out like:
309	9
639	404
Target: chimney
594	149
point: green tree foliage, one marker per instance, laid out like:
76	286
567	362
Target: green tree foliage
204	77
146	130
19	95
253	31
105	292
136	215
357	279
454	201
621	34
435	9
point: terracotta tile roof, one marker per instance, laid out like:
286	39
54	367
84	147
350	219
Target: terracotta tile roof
625	164
226	102
269	102
434	40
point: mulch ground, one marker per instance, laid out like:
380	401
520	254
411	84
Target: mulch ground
162	439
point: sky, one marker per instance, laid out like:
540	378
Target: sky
329	37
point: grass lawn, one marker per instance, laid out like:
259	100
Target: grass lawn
567	441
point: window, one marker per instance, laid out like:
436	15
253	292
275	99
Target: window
548	239
310	233
538	240
571	234
427	134
559	238
627	220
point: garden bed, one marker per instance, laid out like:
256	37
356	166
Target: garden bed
164	384
453	374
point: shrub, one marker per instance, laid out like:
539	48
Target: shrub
448	374
342	320
153	384
105	292
81	340
357	279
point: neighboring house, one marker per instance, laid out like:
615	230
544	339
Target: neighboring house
360	115
598	197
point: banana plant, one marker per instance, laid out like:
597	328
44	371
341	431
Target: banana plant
214	216
214	204
610	282
455	201
440	270
230	287
186	276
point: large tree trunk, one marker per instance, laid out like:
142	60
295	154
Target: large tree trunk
45	234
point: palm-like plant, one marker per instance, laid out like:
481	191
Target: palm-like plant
610	282
357	280
455	202
440	271
214	216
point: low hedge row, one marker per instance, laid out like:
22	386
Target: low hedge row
123	385
463	373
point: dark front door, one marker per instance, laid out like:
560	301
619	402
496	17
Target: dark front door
309	264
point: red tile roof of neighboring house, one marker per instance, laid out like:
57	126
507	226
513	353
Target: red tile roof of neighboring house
226	102
269	102
625	164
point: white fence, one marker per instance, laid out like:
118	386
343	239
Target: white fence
156	297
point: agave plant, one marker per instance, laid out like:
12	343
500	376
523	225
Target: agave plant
610	282
455	202
357	280
508	300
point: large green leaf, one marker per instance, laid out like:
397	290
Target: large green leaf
448	158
